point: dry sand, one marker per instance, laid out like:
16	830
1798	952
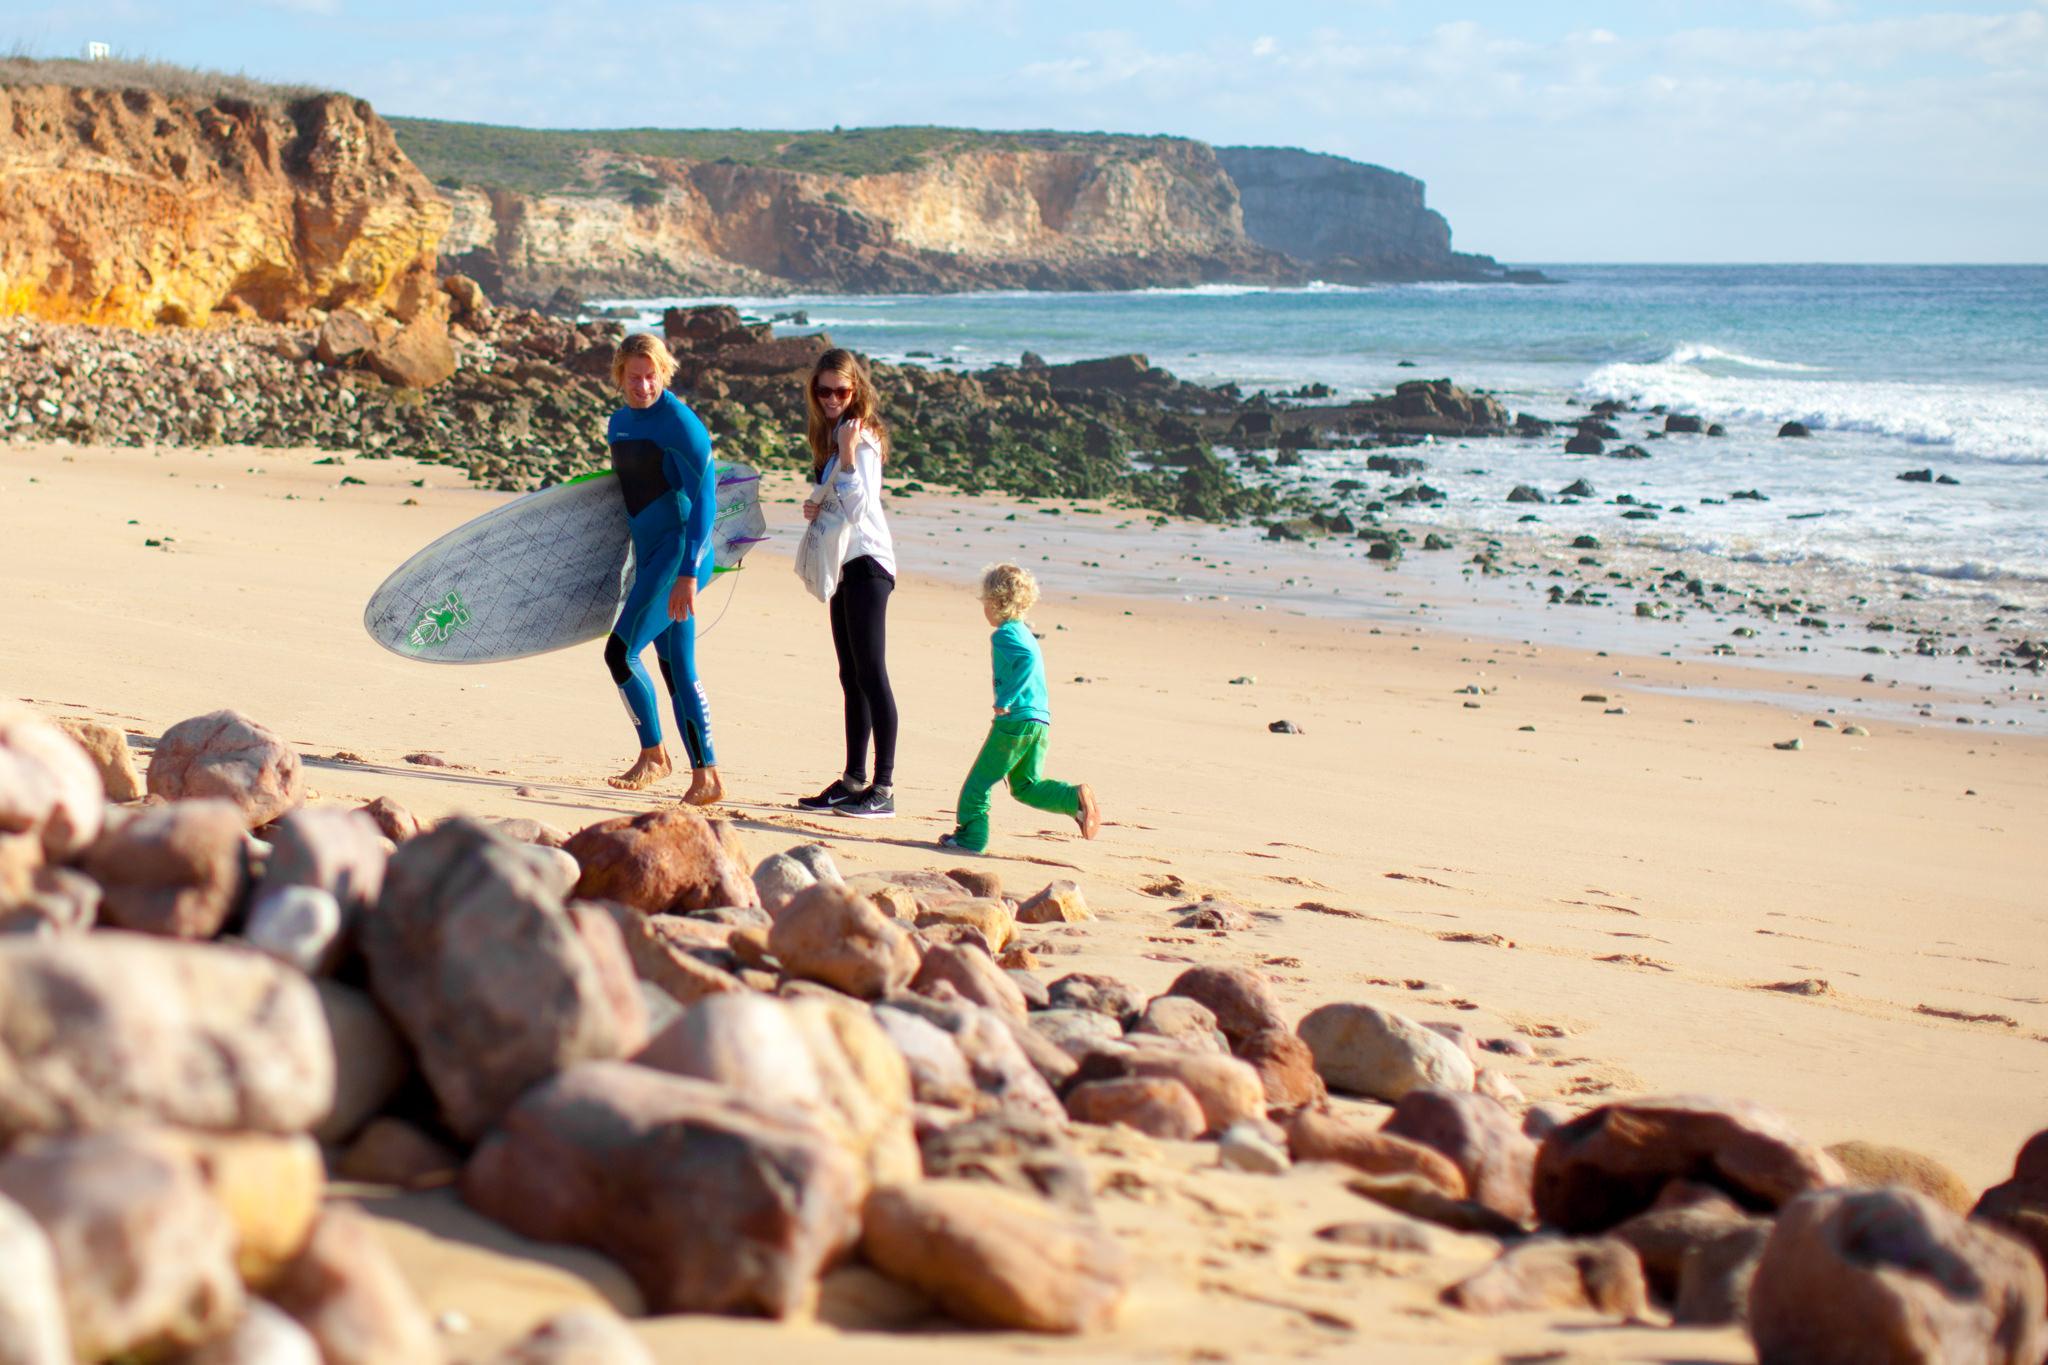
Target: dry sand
1621	889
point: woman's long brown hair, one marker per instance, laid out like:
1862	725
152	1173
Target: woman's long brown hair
862	407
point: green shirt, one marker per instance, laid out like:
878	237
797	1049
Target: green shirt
1020	673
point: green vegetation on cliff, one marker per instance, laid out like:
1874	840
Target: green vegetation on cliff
542	161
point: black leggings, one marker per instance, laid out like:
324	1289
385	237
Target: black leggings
860	629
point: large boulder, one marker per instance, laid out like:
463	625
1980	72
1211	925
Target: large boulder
1003	1072
1316	1136
33	1328
995	1259
578	1336
1286	1067
107	746
664	862
347	1291
973	973
836	1063
1226	1089
420	355
1878	1164
712	1201
118	1030
1480	1137
175	870
144	1253
484	971
660	958
1017	1151
1600	1275
228	755
50	797
834	936
1157	1106
340	852
1612	1162
2020	1205
1241	999
938	1072
1889	1274
1363	1050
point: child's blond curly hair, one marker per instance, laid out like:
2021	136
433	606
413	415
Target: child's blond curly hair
1009	590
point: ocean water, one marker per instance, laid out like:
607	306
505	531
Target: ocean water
1894	368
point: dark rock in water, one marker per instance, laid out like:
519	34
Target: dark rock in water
1386	551
1604	430
1433	541
1116	373
1527	425
1285	727
1399	466
1607	407
1748	495
1685	422
1336	523
1917	476
1300	528
1522	492
1437	407
1583	444
1586	543
1419	492
1947	479
1404	364
1628	453
1577	488
1794	429
1716	429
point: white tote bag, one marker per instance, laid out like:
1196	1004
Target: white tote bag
822	551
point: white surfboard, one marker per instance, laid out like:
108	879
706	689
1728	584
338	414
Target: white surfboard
543	572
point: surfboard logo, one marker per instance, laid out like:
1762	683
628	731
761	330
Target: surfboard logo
439	621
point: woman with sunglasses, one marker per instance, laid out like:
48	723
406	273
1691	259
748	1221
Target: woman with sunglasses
848	445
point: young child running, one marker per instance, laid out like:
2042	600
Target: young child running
1020	734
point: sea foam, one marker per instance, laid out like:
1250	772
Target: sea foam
2002	424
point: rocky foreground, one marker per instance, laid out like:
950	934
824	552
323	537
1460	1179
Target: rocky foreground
732	1074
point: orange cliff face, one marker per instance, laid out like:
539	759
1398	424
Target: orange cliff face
974	218
134	208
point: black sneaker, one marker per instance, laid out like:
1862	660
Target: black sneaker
875	803
834	796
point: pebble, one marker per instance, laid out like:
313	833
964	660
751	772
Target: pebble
1242	1147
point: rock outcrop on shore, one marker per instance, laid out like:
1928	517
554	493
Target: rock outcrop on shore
869	1072
138	207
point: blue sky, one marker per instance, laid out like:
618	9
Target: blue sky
1753	130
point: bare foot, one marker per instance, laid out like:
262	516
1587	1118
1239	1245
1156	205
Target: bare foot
706	787
1090	818
648	769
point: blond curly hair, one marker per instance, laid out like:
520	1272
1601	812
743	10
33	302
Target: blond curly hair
1009	590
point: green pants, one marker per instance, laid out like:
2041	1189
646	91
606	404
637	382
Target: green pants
1015	749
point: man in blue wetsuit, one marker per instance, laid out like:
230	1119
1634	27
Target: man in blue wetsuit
661	455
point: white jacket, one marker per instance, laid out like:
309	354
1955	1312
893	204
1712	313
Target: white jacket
859	491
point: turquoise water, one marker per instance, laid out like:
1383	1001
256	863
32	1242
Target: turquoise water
1895	368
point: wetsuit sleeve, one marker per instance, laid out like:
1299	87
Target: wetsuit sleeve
694	478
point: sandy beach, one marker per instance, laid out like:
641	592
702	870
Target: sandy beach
1606	856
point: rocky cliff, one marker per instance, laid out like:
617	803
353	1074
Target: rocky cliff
638	214
140	206
1347	221
972	218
